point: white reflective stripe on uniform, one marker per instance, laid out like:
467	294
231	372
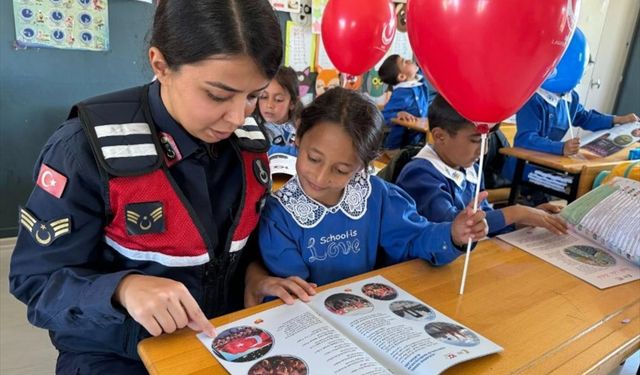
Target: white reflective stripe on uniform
111	130
241	133
250	121
238	245
144	149
154	256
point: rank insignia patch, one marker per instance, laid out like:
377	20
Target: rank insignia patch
260	171
44	233
145	218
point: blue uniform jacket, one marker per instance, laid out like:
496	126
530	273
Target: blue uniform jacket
68	286
300	237
442	192
541	125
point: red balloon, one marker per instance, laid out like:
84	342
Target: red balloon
487	57
357	33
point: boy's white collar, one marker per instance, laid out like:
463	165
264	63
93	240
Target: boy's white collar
308	212
455	175
408	84
553	98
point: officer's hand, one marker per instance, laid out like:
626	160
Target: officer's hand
259	285
161	305
571	147
469	225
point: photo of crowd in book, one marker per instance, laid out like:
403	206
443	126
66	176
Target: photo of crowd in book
279	365
347	304
242	344
379	291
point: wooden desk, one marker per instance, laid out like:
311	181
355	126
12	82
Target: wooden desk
421	124
571	165
547	321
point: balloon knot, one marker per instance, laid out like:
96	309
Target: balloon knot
482	128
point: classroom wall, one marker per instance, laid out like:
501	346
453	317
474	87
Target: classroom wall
627	100
38	87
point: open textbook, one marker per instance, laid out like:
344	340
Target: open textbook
368	327
609	141
603	246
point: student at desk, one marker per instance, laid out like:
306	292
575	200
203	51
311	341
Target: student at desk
410	99
442	177
543	122
334	220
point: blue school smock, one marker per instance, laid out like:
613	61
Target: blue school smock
542	123
302	237
442	192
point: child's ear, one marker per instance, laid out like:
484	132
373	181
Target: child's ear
438	135
401	77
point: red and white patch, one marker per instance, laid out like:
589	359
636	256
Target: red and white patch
51	181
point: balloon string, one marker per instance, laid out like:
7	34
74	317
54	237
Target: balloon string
566	107
483	141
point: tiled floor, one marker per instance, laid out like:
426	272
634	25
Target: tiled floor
26	350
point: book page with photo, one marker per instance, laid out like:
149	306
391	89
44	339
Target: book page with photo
368	327
288	340
607	142
603	245
401	332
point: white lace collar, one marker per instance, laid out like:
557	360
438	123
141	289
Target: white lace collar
455	175
408	84
308	212
553	98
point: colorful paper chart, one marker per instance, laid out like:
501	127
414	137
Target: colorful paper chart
64	24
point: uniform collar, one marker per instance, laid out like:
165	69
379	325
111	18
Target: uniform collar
551	97
455	175
308	212
185	143
409	84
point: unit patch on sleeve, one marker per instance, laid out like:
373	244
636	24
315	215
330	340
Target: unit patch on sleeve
145	218
44	233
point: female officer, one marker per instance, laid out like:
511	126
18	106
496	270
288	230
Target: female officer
145	199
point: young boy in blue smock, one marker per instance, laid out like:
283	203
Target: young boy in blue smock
334	220
409	100
543	122
442	177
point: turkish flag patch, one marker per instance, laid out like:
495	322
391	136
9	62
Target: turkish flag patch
51	181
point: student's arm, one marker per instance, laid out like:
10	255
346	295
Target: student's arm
398	102
590	120
407	235
434	200
535	217
530	122
631	117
